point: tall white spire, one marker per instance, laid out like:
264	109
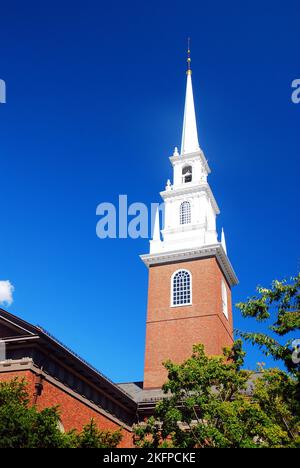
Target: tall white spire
189	142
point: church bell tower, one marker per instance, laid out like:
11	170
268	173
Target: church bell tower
190	275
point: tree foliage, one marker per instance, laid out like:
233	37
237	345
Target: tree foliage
281	305
276	393
24	426
92	437
208	404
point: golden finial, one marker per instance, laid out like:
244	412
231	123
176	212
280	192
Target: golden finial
189	70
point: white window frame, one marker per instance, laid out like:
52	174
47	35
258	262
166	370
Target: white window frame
186	216
172	289
224	299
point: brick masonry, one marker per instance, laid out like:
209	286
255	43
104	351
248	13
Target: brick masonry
172	331
74	413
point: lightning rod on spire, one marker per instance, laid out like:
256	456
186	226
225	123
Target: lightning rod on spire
189	71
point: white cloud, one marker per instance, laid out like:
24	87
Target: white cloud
6	293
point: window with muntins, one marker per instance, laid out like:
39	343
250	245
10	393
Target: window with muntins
181	288
185	213
224	299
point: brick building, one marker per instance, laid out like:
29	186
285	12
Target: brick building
57	376
189	302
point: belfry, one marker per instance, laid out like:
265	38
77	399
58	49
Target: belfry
190	275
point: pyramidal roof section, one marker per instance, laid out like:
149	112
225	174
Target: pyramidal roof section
189	142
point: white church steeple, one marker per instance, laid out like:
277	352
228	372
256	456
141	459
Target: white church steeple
190	209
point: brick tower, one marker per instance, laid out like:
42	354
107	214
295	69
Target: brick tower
190	275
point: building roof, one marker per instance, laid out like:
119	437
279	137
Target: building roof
14	330
139	395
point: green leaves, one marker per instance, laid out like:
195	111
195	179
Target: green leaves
22	426
280	304
208	404
276	393
92	437
285	296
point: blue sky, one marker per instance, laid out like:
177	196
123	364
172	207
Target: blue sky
95	95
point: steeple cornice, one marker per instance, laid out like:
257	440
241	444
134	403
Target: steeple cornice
177	159
192	190
215	250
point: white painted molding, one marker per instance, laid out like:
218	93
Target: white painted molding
191	189
214	250
190	157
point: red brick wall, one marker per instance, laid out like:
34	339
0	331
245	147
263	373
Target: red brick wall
74	413
172	331
27	375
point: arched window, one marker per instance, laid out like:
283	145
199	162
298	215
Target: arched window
187	174
185	212
181	288
224	299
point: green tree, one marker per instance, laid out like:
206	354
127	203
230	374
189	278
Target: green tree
24	426
208	404
92	437
276	393
281	306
